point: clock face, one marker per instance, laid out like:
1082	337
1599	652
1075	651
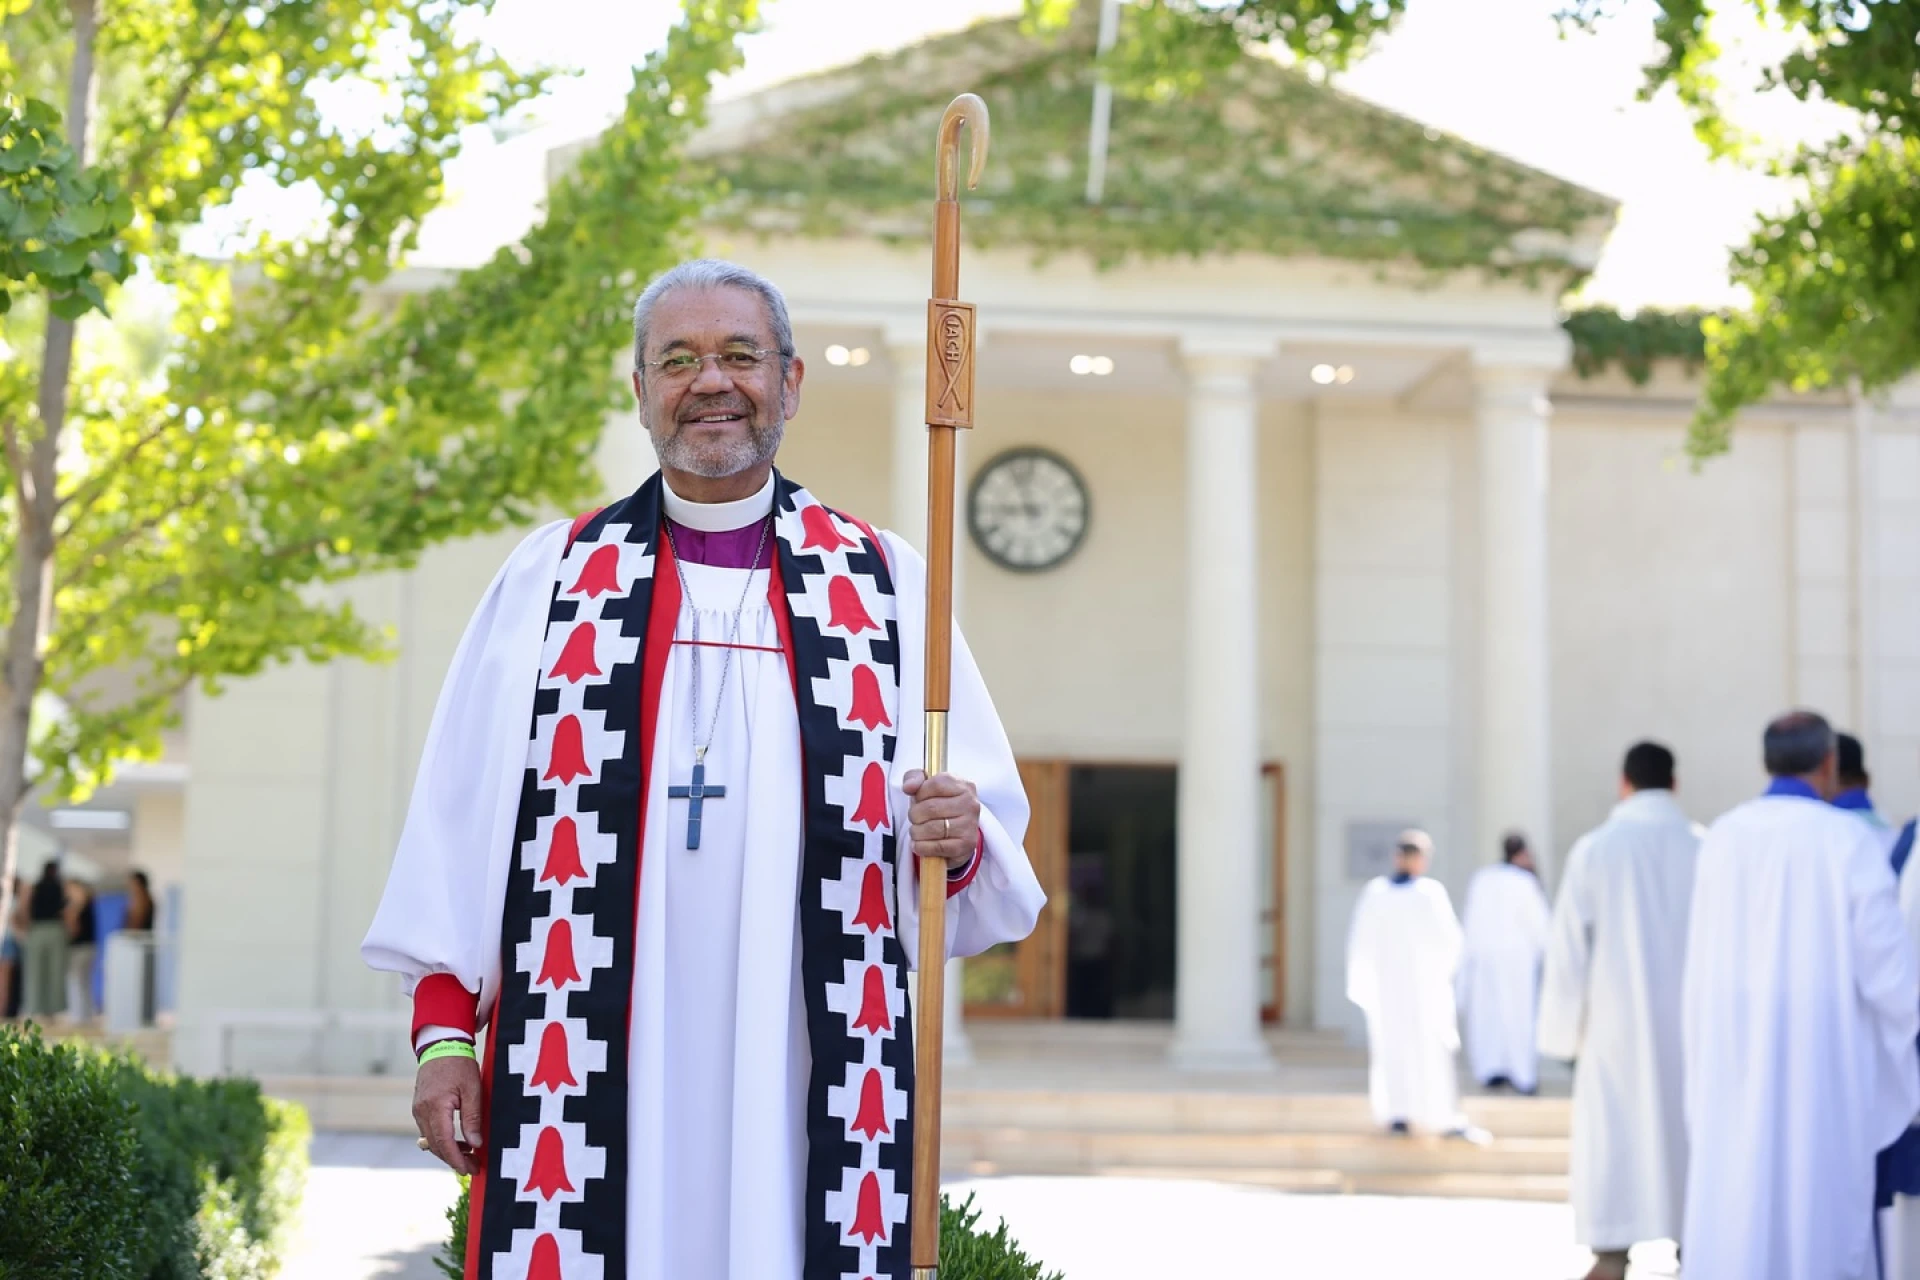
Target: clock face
1028	510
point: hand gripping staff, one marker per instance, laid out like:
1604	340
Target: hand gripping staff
949	408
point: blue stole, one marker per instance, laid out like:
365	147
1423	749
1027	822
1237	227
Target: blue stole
1791	787
1854	799
1903	847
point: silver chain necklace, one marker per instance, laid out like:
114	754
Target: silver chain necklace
726	666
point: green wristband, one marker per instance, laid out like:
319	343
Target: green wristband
447	1049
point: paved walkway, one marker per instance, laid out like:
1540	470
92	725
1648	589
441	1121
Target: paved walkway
375	1211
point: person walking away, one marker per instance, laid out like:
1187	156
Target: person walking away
1853	789
1896	1192
1610	1004
47	945
1798	1019
1402	952
1505	924
13	951
84	947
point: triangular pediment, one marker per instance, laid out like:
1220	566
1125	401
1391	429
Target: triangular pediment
1260	159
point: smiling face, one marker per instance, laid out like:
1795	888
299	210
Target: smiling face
715	430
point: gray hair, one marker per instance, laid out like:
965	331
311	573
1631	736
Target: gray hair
712	273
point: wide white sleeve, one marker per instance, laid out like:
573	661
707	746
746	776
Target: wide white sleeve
1910	901
1363	976
1883	966
440	912
1003	900
1451	939
1563	985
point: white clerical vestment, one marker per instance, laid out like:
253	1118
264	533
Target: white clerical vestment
1798	1020
718	1047
1402	951
1505	923
1610	999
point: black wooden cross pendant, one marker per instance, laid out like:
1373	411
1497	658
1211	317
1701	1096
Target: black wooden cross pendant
697	793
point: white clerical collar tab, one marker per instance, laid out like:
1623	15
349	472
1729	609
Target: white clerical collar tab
717	517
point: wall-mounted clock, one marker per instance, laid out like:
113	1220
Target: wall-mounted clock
1028	509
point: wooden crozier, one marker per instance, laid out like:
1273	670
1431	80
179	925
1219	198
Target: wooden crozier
949	408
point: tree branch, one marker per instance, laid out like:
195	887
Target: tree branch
126	537
136	168
96	485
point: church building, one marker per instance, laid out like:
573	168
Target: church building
1288	523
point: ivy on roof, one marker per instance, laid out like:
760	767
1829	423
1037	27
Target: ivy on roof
1603	339
1259	159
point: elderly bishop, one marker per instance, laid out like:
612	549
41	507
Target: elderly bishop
661	852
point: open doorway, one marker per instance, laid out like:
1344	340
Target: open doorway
1121	884
1102	843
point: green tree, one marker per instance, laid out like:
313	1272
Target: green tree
1834	280
178	525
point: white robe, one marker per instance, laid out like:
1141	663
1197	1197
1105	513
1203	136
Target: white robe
719	1055
1505	922
1610	999
1798	1019
1402	951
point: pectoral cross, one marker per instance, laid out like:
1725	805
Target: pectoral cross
697	793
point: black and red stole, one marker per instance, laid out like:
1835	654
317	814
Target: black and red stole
553	1202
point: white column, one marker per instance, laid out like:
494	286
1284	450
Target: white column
1217	960
1515	739
906	348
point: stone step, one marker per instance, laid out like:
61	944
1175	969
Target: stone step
1546	1188
352	1104
1064	1151
1120	1111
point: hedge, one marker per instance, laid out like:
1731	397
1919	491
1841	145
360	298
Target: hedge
131	1174
966	1252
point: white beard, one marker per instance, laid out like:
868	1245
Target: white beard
717	461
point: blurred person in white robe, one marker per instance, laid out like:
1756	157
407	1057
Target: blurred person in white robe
1798	1017
1896	1195
1610	1003
1506	924
1402	952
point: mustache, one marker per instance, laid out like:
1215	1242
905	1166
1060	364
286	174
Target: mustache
716	404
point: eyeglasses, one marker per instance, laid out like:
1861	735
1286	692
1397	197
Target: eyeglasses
684	366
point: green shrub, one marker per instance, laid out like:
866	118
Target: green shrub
70	1204
453	1254
215	1169
966	1253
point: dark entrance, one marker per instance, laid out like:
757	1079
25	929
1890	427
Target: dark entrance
1120	871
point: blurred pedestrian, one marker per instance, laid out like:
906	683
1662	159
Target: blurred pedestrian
47	945
1402	953
1610	1003
1798	1016
1506	924
13	951
83	939
139	904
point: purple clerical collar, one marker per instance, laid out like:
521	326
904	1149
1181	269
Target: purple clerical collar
1854	798
1792	787
722	535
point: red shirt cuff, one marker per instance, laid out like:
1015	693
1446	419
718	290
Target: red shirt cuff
960	878
440	1001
